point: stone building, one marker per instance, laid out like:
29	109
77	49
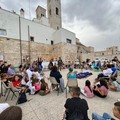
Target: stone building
24	40
108	54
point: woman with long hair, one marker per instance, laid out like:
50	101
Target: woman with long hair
87	91
101	90
55	73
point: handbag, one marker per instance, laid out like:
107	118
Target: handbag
22	98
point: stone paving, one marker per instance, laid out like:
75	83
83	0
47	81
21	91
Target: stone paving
51	106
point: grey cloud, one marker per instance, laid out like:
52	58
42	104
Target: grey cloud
100	13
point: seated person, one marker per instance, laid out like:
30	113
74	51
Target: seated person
44	87
96	82
36	72
4	77
3	106
107	72
93	66
76	103
16	84
55	73
71	74
43	76
11	113
34	86
11	71
113	84
106	116
87	91
101	90
25	79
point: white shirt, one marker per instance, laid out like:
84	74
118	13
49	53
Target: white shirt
29	74
37	74
107	72
3	106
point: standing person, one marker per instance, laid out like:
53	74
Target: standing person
60	63
40	63
50	64
106	116
76	103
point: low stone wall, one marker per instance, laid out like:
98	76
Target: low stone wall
10	48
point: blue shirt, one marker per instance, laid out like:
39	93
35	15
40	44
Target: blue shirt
71	76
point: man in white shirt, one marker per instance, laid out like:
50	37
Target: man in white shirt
108	71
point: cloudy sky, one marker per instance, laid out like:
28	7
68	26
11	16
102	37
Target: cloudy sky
95	22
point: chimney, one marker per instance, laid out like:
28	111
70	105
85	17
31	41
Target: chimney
22	12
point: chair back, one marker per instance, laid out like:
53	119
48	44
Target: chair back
53	81
4	85
72	82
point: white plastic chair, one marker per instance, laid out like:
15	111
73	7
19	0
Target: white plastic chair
55	83
71	83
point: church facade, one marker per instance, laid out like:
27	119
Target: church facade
24	40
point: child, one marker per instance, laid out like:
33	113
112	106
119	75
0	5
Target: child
35	85
76	103
4	79
101	90
16	84
113	84
44	87
88	92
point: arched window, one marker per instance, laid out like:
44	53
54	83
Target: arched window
57	11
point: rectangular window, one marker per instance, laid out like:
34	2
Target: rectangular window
52	42
68	41
3	32
32	38
42	15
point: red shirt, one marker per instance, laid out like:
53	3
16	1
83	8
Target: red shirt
16	83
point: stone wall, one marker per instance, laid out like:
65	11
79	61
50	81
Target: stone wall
66	51
69	52
10	49
30	50
93	56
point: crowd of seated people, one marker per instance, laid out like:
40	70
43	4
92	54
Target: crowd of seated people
23	79
31	79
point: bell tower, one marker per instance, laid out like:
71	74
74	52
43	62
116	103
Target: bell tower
54	13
